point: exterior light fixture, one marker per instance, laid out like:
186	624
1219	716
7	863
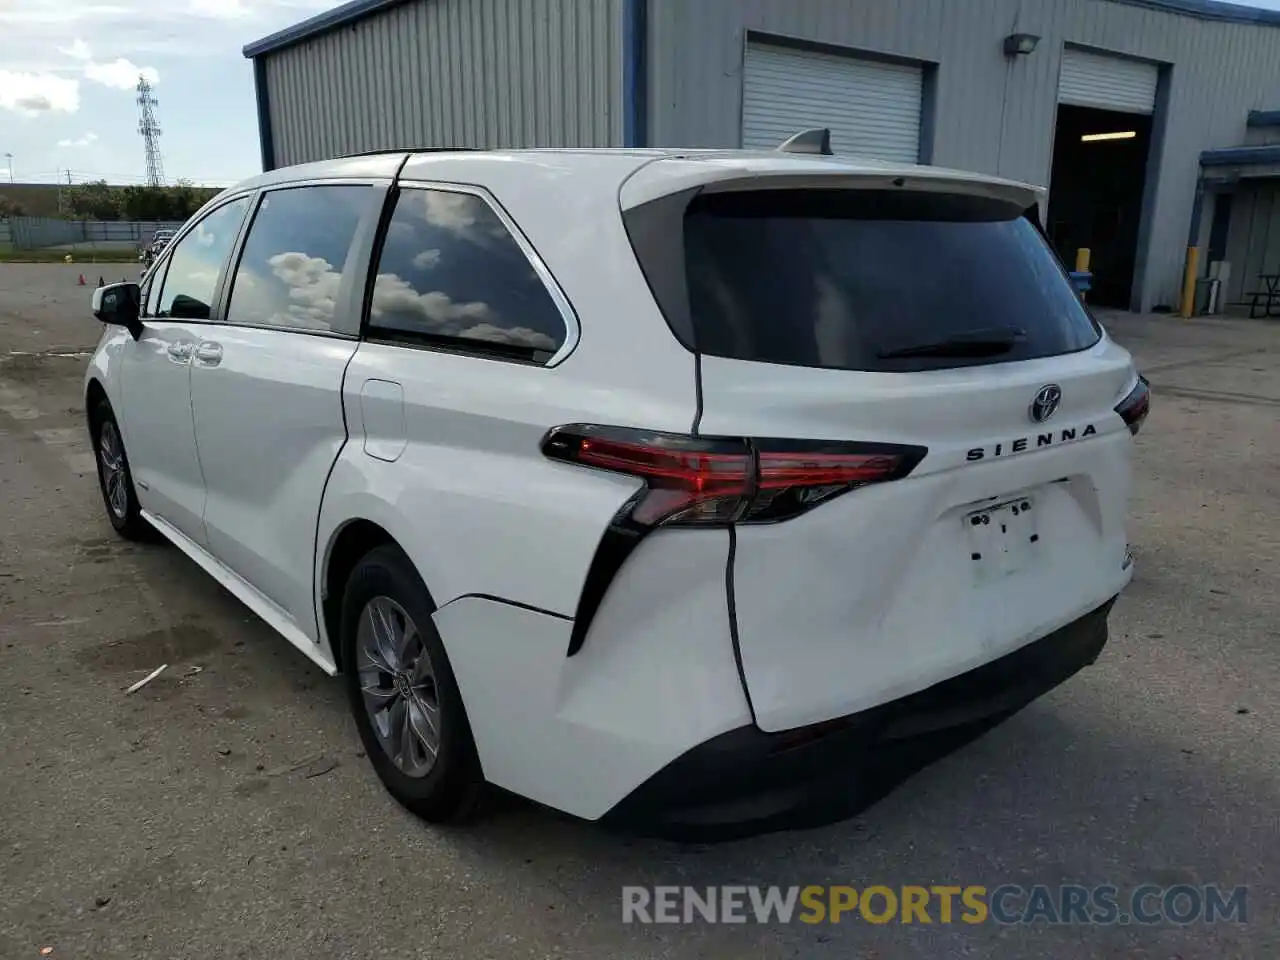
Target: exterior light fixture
1020	44
1119	135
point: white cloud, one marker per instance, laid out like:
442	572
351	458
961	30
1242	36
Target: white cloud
313	287
31	94
79	50
84	141
518	336
452	211
221	9
204	236
305	296
434	309
121	74
402	307
426	259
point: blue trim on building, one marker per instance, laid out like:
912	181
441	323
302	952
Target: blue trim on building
1212	10
1240	156
266	140
1264	118
356	10
635	73
348	13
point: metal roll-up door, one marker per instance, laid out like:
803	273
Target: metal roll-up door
871	108
1109	83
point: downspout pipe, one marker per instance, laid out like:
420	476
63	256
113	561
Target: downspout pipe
635	73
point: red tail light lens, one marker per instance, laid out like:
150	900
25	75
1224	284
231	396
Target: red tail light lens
794	477
687	482
1134	408
699	481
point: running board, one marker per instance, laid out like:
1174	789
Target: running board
242	590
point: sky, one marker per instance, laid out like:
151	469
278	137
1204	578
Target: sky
68	70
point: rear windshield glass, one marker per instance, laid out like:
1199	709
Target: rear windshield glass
850	278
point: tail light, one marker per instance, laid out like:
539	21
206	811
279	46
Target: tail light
1134	408
692	481
697	481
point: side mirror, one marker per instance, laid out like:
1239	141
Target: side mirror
120	304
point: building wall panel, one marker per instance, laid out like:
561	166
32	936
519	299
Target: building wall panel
1253	240
433	73
993	114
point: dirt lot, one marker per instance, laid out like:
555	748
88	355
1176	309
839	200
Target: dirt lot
224	811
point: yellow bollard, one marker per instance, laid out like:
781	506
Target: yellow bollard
1082	260
1189	282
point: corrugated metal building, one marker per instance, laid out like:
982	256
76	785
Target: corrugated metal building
974	84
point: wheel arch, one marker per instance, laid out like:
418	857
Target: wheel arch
94	394
349	542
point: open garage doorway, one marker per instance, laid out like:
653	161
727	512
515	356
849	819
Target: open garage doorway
1096	192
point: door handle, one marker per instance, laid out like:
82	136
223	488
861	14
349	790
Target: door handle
209	354
180	352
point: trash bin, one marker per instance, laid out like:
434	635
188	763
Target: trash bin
1208	296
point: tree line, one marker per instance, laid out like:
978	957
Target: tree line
99	200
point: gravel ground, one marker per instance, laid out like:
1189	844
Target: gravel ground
225	811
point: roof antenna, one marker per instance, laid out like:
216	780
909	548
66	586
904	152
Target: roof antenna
817	140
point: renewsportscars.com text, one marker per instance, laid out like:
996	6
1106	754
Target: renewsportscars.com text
944	904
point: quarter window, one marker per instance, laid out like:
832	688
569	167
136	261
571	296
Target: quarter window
192	270
451	274
291	268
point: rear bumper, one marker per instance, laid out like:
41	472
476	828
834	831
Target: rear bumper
747	781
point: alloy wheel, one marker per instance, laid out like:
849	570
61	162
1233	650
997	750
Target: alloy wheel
398	686
114	471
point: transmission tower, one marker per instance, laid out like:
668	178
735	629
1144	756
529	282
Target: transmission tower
150	130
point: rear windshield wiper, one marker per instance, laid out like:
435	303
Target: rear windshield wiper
989	342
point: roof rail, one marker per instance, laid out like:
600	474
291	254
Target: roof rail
817	140
385	150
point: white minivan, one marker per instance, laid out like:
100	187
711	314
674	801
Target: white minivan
691	491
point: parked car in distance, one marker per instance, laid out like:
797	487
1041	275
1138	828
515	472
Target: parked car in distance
682	490
159	240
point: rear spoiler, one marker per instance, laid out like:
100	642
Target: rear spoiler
745	171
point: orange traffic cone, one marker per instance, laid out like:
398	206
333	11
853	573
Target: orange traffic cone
80	282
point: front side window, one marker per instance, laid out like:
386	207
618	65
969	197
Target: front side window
191	271
451	274
291	268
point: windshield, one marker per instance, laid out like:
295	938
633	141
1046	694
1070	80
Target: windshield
863	280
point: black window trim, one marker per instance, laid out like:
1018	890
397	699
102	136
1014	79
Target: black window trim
152	281
348	301
161	266
459	346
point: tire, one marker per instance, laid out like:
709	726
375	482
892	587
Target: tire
397	701
115	479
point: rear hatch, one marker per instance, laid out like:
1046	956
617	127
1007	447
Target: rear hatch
935	322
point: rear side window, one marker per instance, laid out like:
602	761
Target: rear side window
450	274
848	278
291	267
191	271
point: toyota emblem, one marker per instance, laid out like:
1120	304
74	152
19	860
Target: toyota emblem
1045	405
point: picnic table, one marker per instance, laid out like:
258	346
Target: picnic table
1270	294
